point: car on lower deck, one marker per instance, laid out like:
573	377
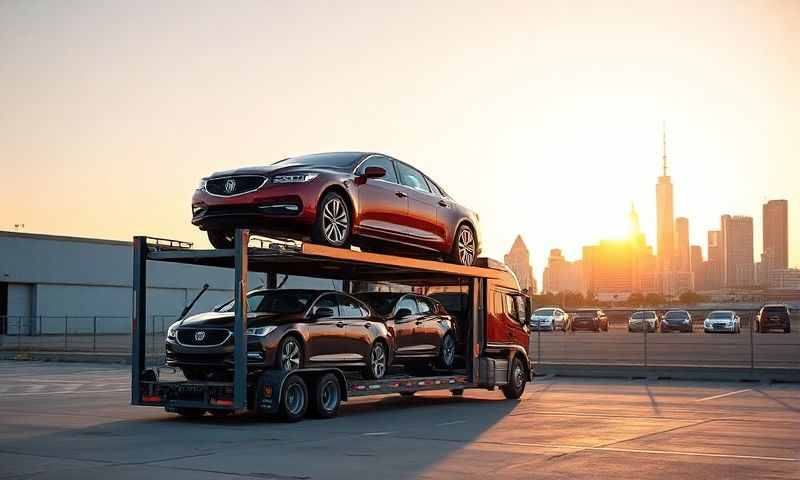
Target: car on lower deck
774	317
722	321
638	320
676	321
591	319
339	199
424	332
287	329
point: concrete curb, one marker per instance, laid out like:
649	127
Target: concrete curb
783	375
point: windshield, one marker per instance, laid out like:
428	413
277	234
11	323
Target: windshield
276	301
643	315
720	315
335	160
381	302
676	315
778	309
544	312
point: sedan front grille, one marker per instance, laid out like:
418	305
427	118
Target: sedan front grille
203	337
235	185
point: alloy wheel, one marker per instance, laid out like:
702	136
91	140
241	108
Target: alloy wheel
290	355
448	350
378	360
335	221
466	246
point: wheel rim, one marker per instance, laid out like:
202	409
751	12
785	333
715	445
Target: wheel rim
519	376
378	360
335	221
330	396
295	399
448	350
466	246
290	355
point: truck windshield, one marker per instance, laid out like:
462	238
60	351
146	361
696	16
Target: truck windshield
278	301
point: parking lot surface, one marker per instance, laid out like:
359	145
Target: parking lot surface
74	421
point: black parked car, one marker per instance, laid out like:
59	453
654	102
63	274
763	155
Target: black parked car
423	330
679	320
774	316
591	319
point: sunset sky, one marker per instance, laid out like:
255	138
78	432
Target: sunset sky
544	117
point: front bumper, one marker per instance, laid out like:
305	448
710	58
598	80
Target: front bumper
259	354
719	328
637	327
586	325
676	327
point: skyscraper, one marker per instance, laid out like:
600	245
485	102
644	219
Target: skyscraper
518	260
738	267
697	267
561	275
664	216
714	263
682	253
776	235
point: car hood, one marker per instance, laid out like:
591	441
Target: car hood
269	170
226	319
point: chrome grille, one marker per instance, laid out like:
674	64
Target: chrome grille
234	185
202	337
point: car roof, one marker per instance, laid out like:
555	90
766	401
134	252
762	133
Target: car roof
722	311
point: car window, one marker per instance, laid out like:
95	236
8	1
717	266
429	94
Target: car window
349	308
425	307
435	188
381	302
513	308
327	301
545	312
638	316
775	310
520	308
412	178
650	315
721	315
408	303
676	315
276	301
384	163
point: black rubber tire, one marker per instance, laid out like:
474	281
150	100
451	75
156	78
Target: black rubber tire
221	412
195	374
327	396
514	389
441	360
454	256
369	372
294	399
318	235
220	239
458	392
407	394
190	412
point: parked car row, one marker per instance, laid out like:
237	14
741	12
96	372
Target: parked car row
769	318
295	328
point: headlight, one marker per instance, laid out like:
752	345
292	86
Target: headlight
202	185
172	329
261	331
295	178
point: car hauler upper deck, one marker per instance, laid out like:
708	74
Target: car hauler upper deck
493	315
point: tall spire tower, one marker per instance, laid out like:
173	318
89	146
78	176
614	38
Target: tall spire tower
665	225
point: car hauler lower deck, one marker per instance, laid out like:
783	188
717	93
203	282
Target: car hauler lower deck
492	314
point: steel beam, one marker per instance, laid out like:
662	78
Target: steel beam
241	240
139	319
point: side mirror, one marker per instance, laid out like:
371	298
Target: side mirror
402	313
323	312
374	172
527	307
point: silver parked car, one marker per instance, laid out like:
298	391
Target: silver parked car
722	321
549	319
637	321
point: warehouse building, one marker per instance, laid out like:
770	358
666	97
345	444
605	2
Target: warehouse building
45	279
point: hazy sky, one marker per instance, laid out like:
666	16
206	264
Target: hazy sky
544	117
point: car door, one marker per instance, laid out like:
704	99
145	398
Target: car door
357	325
382	203
405	329
420	222
325	335
430	332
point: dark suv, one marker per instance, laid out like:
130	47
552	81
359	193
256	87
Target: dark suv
590	319
287	329
423	330
774	317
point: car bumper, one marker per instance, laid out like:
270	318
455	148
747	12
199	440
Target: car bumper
637	327
676	327
258	354
775	324
542	328
585	326
719	328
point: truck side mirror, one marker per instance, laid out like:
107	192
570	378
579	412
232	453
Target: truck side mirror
528	307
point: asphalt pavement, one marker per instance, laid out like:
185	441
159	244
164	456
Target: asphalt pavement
73	421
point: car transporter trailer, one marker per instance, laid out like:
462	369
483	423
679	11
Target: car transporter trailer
290	394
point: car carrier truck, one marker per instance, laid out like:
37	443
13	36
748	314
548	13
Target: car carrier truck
492	311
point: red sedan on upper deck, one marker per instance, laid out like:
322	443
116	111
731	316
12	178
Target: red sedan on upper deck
338	199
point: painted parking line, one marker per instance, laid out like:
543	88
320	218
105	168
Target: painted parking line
455	422
723	395
65	392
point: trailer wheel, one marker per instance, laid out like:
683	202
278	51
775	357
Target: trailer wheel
457	392
327	396
447	352
407	394
516	385
190	412
294	399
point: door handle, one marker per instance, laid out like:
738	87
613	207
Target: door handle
400	194
367	325
340	324
444	204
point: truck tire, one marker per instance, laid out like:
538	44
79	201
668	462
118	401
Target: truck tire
294	399
190	412
516	385
327	396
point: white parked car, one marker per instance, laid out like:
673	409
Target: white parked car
722	321
549	319
637	321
